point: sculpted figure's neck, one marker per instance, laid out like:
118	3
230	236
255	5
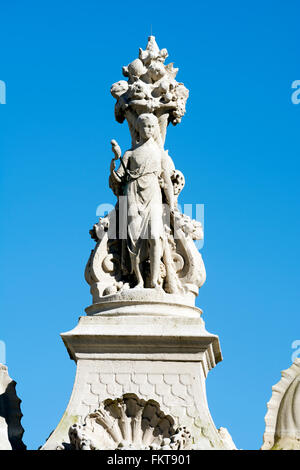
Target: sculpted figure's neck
145	141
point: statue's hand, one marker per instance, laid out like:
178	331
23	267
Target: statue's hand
116	149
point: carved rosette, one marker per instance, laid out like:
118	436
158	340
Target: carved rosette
128	423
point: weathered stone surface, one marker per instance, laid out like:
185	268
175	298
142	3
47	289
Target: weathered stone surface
11	430
283	417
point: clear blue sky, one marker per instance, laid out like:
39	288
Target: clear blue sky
238	146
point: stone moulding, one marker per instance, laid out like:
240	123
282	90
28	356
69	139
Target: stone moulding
283	416
145	307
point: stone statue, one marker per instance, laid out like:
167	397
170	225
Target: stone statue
142	351
146	242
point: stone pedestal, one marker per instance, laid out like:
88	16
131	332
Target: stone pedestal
129	348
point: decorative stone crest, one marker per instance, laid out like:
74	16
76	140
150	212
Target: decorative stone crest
146	242
128	423
283	416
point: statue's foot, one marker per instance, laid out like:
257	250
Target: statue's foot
140	285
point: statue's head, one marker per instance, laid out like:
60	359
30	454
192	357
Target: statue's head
147	126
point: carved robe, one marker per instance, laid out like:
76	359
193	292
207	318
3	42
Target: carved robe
144	198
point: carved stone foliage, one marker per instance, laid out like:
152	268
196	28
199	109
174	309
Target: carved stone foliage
283	416
128	423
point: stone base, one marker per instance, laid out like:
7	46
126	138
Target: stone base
156	357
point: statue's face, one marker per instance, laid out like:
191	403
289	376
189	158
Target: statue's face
147	129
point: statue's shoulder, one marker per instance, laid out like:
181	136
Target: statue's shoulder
127	154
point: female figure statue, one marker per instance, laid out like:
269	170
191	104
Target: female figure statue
142	174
